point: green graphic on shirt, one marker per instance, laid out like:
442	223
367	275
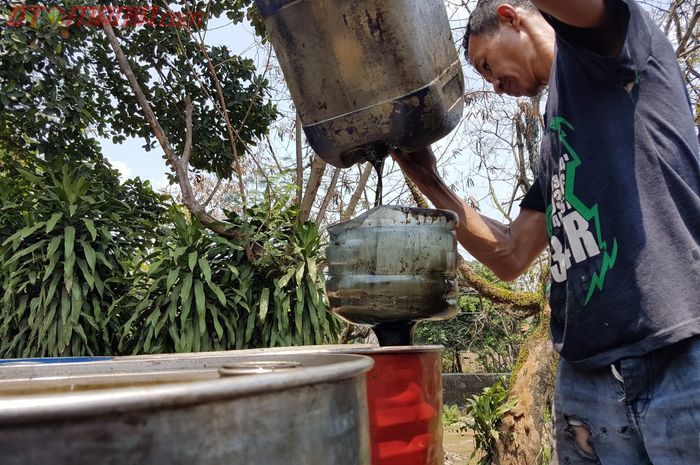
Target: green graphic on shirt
570	212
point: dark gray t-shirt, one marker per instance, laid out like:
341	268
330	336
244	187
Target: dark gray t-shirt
620	186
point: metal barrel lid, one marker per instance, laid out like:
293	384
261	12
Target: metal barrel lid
25	399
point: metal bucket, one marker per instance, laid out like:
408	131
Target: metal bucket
367	74
234	408
404	393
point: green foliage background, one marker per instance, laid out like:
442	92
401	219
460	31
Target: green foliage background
90	266
480	327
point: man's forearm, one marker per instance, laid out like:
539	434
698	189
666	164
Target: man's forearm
579	13
486	239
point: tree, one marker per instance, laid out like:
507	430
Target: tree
205	108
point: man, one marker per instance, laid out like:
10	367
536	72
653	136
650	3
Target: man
618	201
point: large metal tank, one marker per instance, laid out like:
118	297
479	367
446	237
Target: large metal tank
367	74
393	266
262	408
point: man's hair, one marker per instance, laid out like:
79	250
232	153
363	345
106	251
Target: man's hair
484	19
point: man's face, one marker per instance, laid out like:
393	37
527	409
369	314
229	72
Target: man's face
506	59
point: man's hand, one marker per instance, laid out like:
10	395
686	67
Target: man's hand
420	167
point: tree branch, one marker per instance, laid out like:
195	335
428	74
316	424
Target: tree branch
329	195
178	164
318	167
355	199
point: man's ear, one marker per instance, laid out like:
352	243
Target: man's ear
507	14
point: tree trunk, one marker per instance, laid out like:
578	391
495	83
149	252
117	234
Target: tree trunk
355	199
299	159
329	195
526	438
318	167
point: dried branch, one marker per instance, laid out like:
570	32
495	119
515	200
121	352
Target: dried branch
517	304
229	127
420	200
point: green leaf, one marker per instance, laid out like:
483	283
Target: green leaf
90	225
219	293
76	303
200	304
217	325
26	251
192	260
89	255
186	287
264	302
53	246
206	271
172	277
285	278
250	325
154	267
68	265
52	221
69	240
311	264
89	279
29	176
299	273
65	307
20	235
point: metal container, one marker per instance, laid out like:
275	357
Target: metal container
367	74
263	408
393	266
405	403
404	392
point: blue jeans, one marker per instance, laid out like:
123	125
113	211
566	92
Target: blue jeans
639	411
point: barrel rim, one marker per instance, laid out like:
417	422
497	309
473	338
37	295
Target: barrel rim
58	407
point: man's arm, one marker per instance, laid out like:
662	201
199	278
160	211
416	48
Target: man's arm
588	14
605	22
507	250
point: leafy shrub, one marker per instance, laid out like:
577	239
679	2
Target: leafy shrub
202	291
486	411
68	235
450	415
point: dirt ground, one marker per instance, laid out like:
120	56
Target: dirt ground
458	447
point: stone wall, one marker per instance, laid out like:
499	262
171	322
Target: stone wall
458	387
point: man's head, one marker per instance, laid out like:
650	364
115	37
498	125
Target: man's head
510	45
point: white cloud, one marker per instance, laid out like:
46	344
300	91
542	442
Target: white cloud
124	170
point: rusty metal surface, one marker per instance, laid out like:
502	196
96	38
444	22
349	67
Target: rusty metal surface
313	414
367	74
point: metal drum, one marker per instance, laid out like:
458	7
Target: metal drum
276	407
404	392
367	74
393	266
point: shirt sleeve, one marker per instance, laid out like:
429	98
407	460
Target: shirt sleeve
534	198
628	65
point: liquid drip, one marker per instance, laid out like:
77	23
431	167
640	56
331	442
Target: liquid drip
378	164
